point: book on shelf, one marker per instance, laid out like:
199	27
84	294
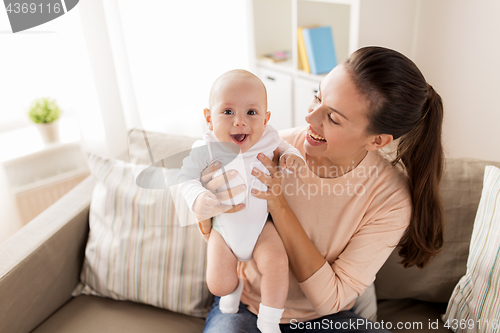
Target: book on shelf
303	63
320	49
277	56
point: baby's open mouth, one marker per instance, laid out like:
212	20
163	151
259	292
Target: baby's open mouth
239	137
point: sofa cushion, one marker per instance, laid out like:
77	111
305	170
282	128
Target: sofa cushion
40	264
84	314
408	315
136	248
461	189
474	304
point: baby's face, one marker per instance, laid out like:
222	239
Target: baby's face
238	111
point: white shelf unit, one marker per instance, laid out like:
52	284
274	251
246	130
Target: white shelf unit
355	23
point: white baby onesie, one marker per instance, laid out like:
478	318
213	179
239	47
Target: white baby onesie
242	229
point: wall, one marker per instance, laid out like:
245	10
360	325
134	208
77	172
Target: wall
458	50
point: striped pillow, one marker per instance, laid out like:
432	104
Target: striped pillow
475	303
136	249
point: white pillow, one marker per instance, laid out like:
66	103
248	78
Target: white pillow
136	248
474	305
366	304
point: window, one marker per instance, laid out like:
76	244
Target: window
176	49
48	60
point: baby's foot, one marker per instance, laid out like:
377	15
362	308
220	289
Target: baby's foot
268	319
231	303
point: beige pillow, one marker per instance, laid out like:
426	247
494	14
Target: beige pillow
136	249
150	147
366	304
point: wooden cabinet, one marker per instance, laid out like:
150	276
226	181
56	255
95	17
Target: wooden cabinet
279	96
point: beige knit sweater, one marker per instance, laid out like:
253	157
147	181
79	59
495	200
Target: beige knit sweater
355	221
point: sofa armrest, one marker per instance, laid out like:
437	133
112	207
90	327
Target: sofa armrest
41	263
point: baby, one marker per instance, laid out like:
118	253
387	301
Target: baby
238	117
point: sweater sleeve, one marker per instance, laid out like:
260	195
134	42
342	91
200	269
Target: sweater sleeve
334	286
189	178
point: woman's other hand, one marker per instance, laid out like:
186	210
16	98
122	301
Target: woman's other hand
212	184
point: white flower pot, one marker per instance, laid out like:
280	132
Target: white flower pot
49	132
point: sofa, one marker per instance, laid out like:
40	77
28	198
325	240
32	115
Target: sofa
40	268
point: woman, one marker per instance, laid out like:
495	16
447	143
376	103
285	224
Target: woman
341	217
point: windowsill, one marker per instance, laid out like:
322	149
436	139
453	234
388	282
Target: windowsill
27	141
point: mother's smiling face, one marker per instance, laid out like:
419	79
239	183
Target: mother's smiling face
338	120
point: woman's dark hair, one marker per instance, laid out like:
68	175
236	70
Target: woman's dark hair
404	105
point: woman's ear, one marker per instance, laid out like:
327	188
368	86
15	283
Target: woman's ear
378	141
208	118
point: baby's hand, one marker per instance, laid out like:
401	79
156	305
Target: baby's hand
205	203
291	162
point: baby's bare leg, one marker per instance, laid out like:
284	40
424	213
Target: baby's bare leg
222	277
272	262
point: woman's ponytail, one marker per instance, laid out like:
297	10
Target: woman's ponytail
403	105
422	155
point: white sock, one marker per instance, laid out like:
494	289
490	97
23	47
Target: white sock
231	303
268	319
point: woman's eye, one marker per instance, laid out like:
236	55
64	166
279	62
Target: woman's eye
317	99
251	112
227	112
333	121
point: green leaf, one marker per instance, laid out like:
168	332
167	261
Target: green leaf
44	110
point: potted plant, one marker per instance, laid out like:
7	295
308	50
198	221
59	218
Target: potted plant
44	112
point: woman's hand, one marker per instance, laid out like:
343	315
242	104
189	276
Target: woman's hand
274	193
303	257
212	184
